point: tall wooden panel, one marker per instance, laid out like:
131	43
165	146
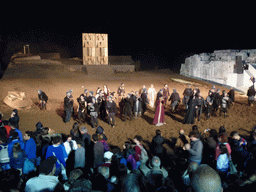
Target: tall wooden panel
95	49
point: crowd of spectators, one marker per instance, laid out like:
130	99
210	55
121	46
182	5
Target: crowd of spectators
40	160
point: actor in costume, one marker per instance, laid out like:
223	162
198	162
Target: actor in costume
93	108
151	96
200	104
231	95
187	94
175	99
137	105
251	95
144	100
42	99
121	90
191	111
159	115
166	93
68	106
82	105
127	107
224	104
209	102
106	91
111	111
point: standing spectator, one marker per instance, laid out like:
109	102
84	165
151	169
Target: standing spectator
151	96
157	144
58	151
175	99
30	146
98	151
141	154
80	155
251	95
42	99
46	178
16	130
70	145
15	119
130	154
182	139
75	132
223	162
68	106
14	139
108	158
222	140
4	156
111	111
195	149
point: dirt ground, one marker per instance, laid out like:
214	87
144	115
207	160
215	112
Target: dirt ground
56	81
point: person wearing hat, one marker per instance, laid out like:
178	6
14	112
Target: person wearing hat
46	178
43	98
68	106
15	119
107	157
111	111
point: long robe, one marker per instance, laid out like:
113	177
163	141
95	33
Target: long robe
159	115
151	97
191	111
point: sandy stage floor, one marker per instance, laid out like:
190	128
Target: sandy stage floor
56	81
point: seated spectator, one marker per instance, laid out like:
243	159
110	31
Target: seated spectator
46	178
195	149
14	139
30	146
58	151
81	185
74	175
205	178
157	144
154	168
86	137
17	157
70	144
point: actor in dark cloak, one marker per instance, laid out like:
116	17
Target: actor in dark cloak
127	107
187	94
251	95
111	111
191	111
231	95
209	102
159	114
200	104
121	104
15	119
93	108
175	99
81	108
216	101
144	101
42	99
68	106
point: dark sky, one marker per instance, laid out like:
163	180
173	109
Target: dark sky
156	34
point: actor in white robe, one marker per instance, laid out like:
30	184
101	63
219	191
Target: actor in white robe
152	96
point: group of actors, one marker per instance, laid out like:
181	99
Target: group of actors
105	104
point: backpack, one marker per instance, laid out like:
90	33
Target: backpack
4	156
144	154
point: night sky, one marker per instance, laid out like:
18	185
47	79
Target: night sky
156	34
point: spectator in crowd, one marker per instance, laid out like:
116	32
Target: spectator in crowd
30	146
75	132
15	119
222	139
17	157
80	155
59	152
74	176
14	139
12	125
207	179
157	144
46	178
98	151
195	149
70	144
81	185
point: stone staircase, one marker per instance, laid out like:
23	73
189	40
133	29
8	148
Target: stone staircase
102	70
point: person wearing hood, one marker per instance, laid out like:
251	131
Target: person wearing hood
15	119
43	98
